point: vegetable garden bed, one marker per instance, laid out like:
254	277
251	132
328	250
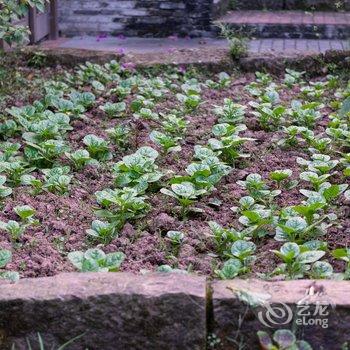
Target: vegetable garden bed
222	175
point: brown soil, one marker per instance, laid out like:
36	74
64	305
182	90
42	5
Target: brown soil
63	219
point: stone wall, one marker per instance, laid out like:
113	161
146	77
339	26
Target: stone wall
112	311
136	17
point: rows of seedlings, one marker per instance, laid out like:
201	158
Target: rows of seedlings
114	169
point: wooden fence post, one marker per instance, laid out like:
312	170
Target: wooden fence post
32	24
53	20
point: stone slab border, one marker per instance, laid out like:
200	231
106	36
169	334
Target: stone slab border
160	311
208	59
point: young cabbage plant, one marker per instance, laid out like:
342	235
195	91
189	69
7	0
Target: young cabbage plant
4	190
190	102
146	113
9	151
224	237
114	110
13	171
314	179
152	93
175	237
191	87
254	89
318	144
258	189
310	211
228	143
5	258
305	221
305	115
240	258
53	127
98	87
91	72
121	205
282	339
297	260
24	113
292	135
320	163
270	96
345	162
70	108
203	152
121	91
223	81
295	229
281	177
86	99
141	102
8	128
102	231
230	113
119	135
333	81
13	228
98	147
26	214
153	88
45	154
327	193
138	170
314	91
270	118
16	229
340	133
321	270
169	269
231	269
247	203
185	193
263	78
344	255
95	260
205	174
346	171
167	142
57	180
36	184
292	77
81	158
190	97
175	125
243	251
258	221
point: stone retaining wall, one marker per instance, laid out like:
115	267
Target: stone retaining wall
162	311
137	17
113	311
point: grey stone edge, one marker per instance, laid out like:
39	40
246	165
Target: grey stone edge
160	311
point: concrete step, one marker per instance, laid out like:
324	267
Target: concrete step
290	24
166	47
305	5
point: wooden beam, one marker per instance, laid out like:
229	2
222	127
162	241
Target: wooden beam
32	24
53	35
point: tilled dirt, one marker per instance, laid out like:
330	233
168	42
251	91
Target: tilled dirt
42	250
